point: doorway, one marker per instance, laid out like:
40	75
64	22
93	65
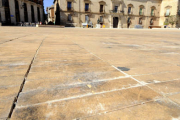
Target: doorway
25	13
38	11
115	22
17	11
7	13
32	14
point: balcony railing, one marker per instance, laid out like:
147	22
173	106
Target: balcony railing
114	11
101	21
152	14
141	13
70	9
102	11
117	11
130	13
167	15
87	10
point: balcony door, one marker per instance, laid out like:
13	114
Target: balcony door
69	5
101	8
115	9
86	6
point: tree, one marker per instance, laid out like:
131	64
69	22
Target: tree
173	19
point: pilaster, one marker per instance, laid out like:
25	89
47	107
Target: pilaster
29	12
21	11
35	13
12	11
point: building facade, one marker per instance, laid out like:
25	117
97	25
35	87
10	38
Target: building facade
115	13
15	11
170	8
50	14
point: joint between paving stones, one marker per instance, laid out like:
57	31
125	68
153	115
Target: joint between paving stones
23	83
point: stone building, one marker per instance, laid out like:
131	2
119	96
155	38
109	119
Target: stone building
50	14
114	13
169	8
15	11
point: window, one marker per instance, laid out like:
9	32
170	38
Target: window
151	22
86	6
140	11
129	20
129	10
101	19
152	12
140	21
87	18
167	12
69	17
116	9
101	8
69	5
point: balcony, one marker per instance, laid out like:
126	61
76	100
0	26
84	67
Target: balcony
101	21
141	13
152	14
116	12
102	11
70	9
167	15
130	13
87	10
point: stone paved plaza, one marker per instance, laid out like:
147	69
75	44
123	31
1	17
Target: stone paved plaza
89	74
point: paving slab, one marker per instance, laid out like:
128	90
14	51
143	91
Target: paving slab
89	74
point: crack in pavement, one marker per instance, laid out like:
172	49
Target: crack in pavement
25	77
15	39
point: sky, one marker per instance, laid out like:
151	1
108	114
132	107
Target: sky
47	3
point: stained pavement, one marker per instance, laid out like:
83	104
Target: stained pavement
56	73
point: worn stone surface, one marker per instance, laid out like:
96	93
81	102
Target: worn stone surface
90	74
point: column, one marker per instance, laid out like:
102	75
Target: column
35	13
29	12
3	19
21	11
12	11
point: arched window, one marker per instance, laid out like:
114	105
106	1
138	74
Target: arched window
130	10
168	11
153	11
141	10
87	5
102	6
